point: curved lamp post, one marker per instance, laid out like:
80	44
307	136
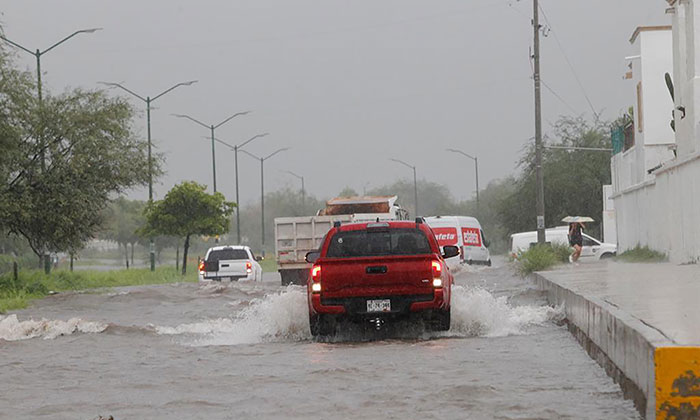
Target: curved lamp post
262	189
476	167
235	149
303	191
148	100
415	181
212	127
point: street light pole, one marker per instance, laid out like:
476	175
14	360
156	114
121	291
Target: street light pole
538	126
148	100
38	53
235	149
415	182
212	128
303	191
476	168
262	190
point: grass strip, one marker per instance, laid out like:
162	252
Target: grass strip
35	284
642	254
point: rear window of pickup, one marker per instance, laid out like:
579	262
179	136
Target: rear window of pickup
227	254
371	243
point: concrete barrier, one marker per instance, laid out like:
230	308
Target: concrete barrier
659	375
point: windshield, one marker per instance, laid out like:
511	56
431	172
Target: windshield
363	243
227	254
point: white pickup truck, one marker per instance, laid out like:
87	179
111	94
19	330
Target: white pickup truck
295	236
229	263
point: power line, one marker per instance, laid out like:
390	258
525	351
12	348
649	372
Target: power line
558	97
552	91
568	62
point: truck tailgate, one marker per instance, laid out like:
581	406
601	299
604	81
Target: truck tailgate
377	276
226	268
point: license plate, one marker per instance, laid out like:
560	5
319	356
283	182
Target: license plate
379	305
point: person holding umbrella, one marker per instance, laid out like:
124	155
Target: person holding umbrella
576	228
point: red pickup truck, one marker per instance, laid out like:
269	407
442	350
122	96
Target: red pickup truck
378	272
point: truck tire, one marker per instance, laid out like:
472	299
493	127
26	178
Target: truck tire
321	325
441	320
285	278
299	277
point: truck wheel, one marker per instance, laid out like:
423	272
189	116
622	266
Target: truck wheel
488	263
286	278
441	320
321	325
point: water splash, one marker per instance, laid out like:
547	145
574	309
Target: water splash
476	312
281	316
12	329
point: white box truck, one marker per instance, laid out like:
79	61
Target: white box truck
295	236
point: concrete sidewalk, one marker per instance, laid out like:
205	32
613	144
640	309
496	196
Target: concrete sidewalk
642	323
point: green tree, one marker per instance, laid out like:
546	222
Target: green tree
573	179
188	210
62	160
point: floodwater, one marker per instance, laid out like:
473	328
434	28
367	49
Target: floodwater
243	350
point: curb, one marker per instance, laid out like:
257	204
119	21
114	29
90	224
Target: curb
661	377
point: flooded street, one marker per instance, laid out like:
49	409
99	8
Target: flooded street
244	351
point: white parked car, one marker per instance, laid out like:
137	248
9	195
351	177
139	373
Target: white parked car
592	248
230	263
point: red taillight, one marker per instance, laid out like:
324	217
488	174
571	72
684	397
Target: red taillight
249	267
437	268
201	265
316	279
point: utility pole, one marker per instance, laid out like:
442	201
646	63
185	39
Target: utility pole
538	126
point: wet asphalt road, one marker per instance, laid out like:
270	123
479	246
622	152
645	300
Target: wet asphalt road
243	350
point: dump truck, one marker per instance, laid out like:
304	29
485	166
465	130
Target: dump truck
296	236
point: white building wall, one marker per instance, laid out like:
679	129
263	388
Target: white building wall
663	214
656	60
661	210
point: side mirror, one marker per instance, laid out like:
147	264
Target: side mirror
259	258
449	251
312	256
487	243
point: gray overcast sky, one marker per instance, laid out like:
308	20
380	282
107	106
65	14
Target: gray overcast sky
345	83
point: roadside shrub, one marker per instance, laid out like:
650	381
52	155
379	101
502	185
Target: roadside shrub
642	254
538	258
562	251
